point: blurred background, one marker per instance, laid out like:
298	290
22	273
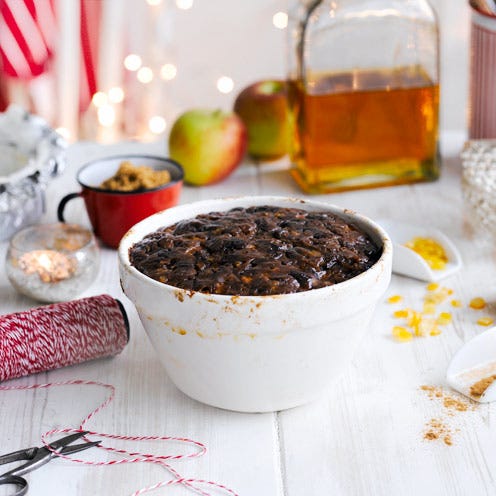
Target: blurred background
109	70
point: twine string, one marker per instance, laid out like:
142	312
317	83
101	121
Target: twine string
199	449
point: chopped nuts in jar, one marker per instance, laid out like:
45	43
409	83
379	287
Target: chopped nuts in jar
134	178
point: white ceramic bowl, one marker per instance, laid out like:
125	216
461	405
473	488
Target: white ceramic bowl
254	353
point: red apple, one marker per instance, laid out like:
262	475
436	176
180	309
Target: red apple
209	144
263	107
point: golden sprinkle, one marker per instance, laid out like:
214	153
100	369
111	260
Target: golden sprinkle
444	318
415	323
430	250
485	321
428	321
427	326
456	303
438	296
395	299
429	308
477	303
402	334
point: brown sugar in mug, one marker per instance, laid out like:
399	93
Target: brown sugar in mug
112	213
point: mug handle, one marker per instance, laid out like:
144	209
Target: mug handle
63	203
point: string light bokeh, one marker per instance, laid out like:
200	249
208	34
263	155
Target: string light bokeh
159	58
188	45
157	69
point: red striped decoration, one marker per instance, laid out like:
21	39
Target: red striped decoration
27	36
90	35
482	101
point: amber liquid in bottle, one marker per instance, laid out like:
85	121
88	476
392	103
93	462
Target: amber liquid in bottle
364	129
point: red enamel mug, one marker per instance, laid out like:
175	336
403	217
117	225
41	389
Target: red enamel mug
113	213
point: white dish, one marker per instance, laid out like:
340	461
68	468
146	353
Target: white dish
474	361
255	353
408	263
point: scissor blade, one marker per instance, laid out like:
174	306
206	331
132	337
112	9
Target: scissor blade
68	450
44	455
65	441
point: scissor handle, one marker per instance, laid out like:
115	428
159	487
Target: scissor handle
15	480
20	455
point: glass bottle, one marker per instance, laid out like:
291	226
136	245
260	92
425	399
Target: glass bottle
363	93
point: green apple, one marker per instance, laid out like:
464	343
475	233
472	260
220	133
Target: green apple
209	144
263	107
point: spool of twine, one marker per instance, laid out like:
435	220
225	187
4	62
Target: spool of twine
61	334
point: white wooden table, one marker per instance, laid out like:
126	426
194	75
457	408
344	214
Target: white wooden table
364	437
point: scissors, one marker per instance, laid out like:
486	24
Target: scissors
36	457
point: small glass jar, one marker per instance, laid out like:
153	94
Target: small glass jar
52	262
363	93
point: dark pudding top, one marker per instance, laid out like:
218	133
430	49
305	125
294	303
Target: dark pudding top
255	251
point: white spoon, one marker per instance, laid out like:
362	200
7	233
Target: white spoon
409	263
473	362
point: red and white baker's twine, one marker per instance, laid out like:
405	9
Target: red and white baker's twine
130	456
61	334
